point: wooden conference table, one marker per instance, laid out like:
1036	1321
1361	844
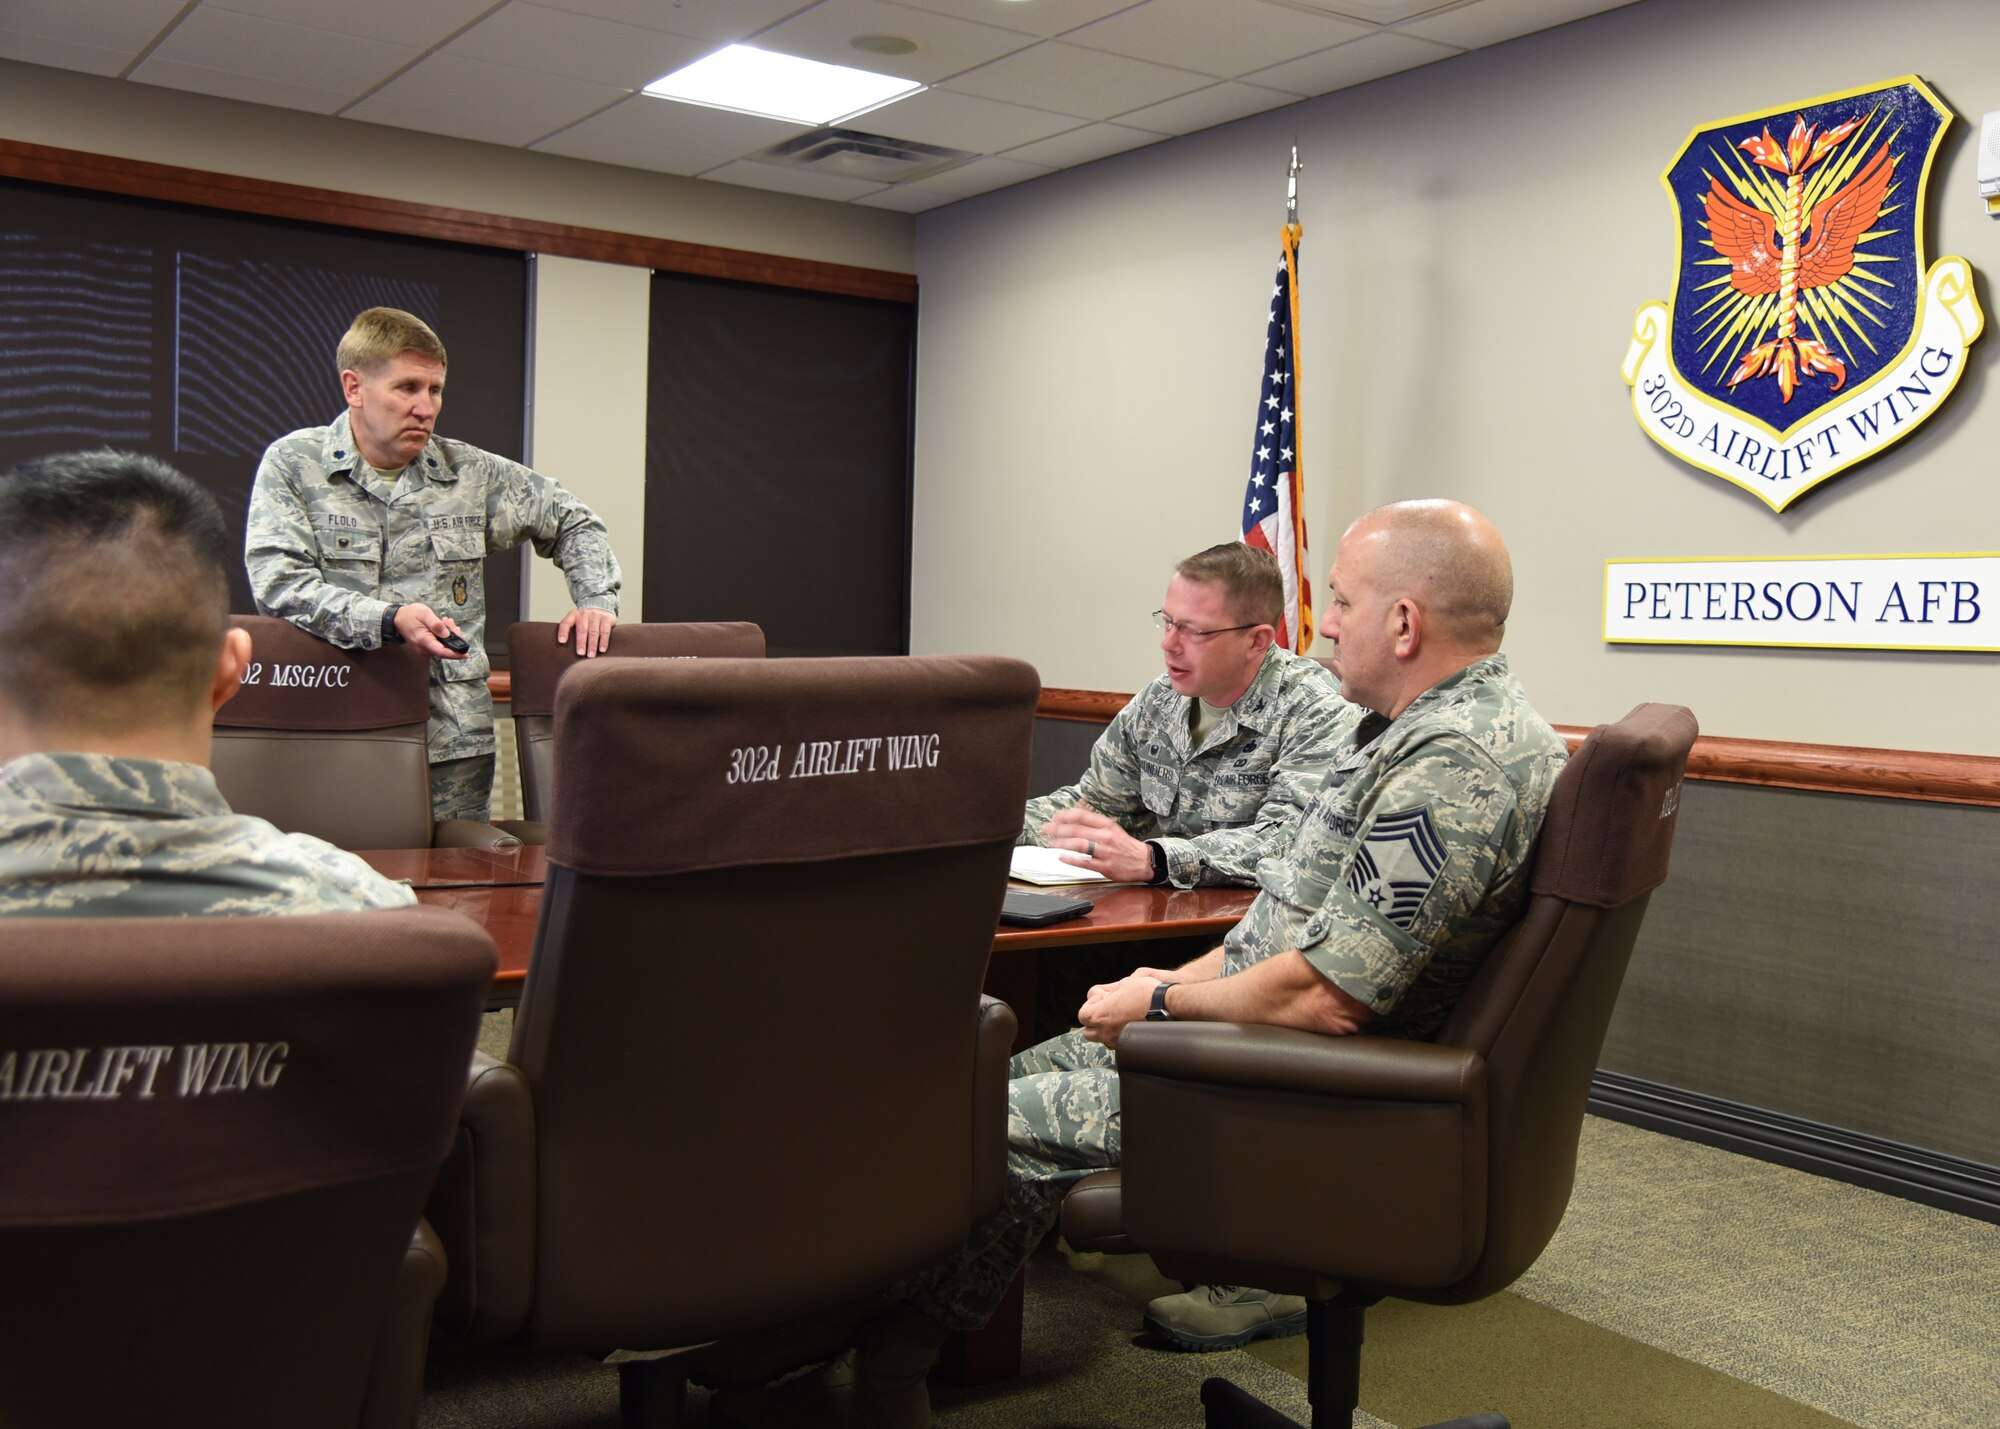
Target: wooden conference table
501	890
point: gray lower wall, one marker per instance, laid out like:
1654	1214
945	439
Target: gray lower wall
1829	956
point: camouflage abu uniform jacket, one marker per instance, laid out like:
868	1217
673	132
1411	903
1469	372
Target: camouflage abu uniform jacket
330	547
1215	810
1414	859
90	835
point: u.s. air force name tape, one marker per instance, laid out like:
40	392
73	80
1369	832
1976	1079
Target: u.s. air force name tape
1947	602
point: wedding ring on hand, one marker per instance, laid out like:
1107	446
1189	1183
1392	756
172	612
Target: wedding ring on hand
1090	848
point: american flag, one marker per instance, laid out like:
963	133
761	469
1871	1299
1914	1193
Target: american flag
1273	518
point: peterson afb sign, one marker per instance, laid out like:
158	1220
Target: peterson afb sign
1805	333
1941	602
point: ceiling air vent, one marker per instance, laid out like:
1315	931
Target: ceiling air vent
854	155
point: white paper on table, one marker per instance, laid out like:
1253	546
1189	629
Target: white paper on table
1041	865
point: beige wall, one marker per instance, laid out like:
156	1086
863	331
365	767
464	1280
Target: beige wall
1479	235
587	411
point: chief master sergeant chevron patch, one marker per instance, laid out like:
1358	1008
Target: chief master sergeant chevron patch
1396	866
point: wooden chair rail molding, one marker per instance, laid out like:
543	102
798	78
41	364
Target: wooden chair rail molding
1830	768
106	174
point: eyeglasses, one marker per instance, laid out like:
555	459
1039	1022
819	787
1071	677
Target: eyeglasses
1168	625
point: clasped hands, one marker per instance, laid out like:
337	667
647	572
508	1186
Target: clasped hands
1110	1006
1088	839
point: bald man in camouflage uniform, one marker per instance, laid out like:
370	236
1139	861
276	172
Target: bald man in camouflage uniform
374	530
115	651
1410	864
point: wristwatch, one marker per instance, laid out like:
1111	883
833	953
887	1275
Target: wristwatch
1159	861
390	634
1158	1011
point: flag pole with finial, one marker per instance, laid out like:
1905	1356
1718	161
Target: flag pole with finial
1274	499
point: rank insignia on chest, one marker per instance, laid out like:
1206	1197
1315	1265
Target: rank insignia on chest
458	591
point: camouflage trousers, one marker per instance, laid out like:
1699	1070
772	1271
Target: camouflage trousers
462	789
1062	1125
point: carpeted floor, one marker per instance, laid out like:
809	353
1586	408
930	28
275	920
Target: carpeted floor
1690	1288
1687	1289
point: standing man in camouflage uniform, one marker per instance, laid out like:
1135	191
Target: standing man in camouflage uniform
374	530
1408	867
1207	769
115	651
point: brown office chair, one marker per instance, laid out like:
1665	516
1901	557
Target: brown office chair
1429	1171
752	1075
537	662
220	1133
331	742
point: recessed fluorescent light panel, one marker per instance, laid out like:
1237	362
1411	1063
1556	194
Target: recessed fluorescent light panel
755	81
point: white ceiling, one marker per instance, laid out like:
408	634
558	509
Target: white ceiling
1030	85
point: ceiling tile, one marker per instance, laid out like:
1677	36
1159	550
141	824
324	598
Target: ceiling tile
63	26
1384	12
1205	108
1070	80
985	175
1489	22
718	21
947	46
603	149
1042	18
792	181
394	22
963	121
266	56
907	198
235	84
534	37
1082	146
1225	40
653	122
61	54
492	102
1355	63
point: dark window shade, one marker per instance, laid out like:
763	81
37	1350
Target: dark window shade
778	464
201	336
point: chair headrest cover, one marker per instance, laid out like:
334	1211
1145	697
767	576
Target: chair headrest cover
1594	850
167	1066
298	681
538	662
666	766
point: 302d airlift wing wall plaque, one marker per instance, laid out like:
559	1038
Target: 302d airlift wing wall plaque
1805	333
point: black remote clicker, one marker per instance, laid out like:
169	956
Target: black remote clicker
454	643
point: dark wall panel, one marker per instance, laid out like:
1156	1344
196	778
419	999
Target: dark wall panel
778	464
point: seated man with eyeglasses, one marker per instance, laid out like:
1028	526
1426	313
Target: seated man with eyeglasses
1208	768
